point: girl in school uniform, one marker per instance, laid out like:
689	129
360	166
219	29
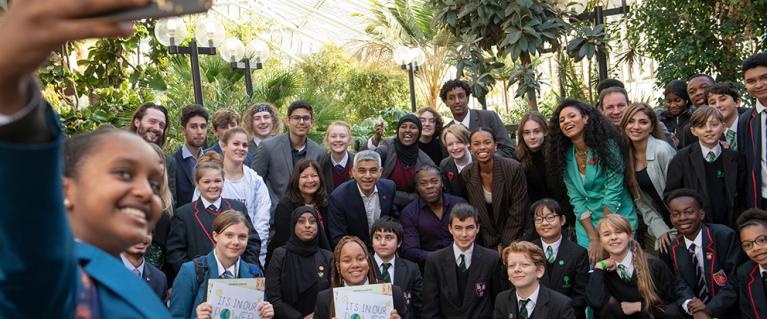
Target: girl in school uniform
231	230
300	268
752	275
192	224
456	139
336	164
629	284
352	267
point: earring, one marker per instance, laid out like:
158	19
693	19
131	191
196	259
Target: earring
67	204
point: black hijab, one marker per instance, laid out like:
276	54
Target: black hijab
299	269
408	155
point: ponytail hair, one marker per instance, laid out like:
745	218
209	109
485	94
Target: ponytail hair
645	282
209	160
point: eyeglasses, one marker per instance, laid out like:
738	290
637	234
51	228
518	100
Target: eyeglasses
299	118
550	218
760	241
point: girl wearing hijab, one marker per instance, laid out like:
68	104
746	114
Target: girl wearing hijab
300	268
401	157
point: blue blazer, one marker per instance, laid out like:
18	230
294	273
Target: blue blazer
39	276
156	280
184	181
217	148
347	212
187	296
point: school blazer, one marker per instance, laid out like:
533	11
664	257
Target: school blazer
722	255
451	178
325	302
658	156
389	159
753	302
347	211
187	295
509	219
486	278
550	305
407	276
491	120
185	183
326	165
121	294
750	134
687	170
568	274
156	280
43	282
274	162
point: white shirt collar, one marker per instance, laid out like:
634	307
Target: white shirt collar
343	160
186	153
698	241
733	127
379	263
257	140
130	266
533	300
554	246
466	120
762	269
461	167
467	255
628	262
206	203
374	193
717	150
234	269
363	284
759	107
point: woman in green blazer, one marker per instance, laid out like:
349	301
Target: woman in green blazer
586	151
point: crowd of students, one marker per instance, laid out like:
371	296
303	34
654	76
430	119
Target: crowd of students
612	211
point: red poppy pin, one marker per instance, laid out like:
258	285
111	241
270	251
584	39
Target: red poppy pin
592	161
720	278
450	175
321	272
709	255
385	197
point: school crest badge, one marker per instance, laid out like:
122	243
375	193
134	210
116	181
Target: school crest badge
479	289
720	278
408	296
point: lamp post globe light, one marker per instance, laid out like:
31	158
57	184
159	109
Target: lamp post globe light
210	33
410	59
241	57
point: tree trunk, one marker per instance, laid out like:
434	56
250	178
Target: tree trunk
532	102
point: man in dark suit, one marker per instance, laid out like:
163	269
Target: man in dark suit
567	264
133	259
705	258
462	281
276	156
387	237
194	127
751	131
456	93
525	265
356	204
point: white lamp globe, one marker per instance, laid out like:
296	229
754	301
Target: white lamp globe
209	32
232	50
168	29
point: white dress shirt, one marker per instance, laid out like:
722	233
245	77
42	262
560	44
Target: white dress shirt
698	241
130	266
533	301
234	269
372	206
760	109
380	262
717	150
467	255
554	245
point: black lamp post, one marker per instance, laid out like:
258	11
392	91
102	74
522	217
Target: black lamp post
410	59
247	59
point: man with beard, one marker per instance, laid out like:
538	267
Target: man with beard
425	220
150	121
194	127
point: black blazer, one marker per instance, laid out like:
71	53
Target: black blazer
750	134
184	181
492	121
751	290
156	280
509	220
568	274
190	227
407	276
326	165
687	170
550	304
441	295
347	212
280	229
451	178
722	255
325	301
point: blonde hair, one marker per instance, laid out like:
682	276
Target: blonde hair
209	160
165	196
340	124
645	282
459	131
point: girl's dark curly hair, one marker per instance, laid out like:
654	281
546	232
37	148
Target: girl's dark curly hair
598	134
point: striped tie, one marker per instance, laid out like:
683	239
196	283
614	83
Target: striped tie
731	139
462	263
227	275
550	255
711	157
700	288
385	272
212	210
623	273
523	309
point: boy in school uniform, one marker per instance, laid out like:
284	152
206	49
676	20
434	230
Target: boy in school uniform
529	298
708	168
567	264
752	275
387	238
133	259
461	281
705	258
